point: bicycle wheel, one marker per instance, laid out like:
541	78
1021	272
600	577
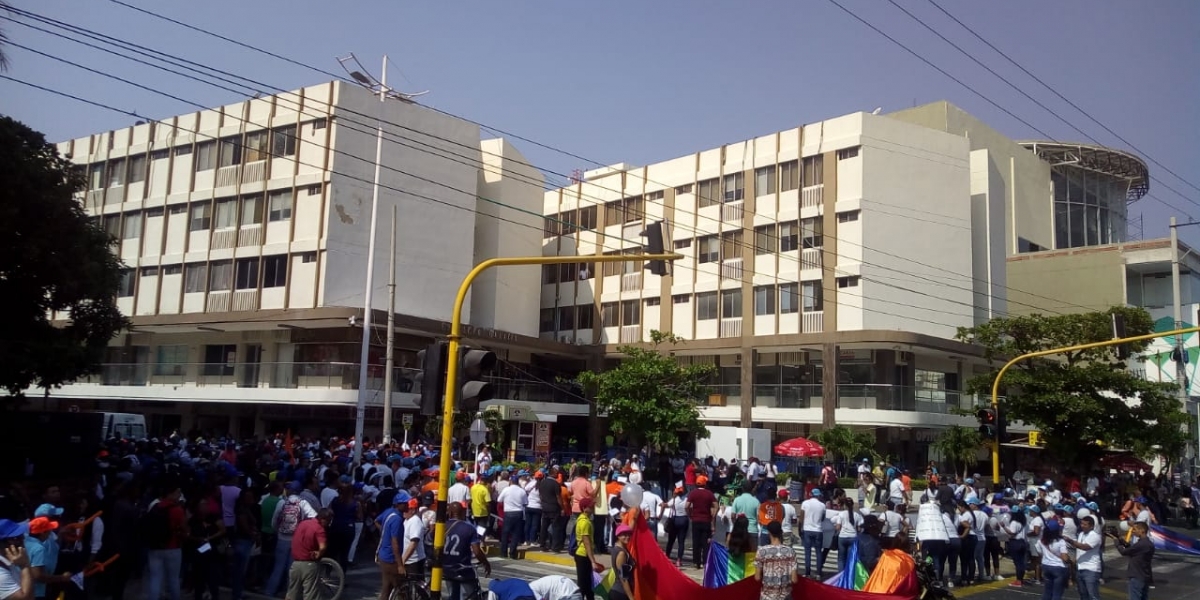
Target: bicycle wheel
330	579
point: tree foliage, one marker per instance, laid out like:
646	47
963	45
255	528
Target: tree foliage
843	444
958	446
1077	400
650	396
462	425
53	259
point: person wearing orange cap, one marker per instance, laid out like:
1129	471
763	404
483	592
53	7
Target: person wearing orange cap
42	548
702	509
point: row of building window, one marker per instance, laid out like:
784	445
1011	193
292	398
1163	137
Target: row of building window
219	276
781	299
783	177
229	213
228	151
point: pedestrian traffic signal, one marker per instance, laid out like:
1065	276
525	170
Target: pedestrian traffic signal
1035	439
989	426
658	239
431	381
472	366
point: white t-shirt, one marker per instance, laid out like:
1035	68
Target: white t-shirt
848	522
1143	517
1016	530
1069	528
328	495
896	491
554	587
458	493
676	507
535	499
789	517
650	504
893	522
814	515
978	519
414	529
1054	496
1052	554
10	579
513	498
1089	560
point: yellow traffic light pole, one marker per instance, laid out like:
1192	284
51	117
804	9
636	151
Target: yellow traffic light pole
1004	369
445	465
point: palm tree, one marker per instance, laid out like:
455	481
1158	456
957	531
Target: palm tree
958	446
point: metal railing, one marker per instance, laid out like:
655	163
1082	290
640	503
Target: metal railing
787	395
903	398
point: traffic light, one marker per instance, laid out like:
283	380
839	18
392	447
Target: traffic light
988	425
658	239
472	366
1035	439
1118	330
431	381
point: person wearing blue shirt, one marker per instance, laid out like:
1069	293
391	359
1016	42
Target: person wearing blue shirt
511	589
42	546
462	542
391	543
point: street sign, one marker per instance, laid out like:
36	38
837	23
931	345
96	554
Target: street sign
541	440
407	420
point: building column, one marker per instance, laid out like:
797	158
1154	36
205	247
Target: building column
595	363
829	380
746	401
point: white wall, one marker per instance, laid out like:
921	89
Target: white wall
916	267
435	239
503	298
987	238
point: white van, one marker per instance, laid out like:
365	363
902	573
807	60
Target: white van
126	426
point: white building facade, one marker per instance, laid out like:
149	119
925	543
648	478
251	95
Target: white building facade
244	234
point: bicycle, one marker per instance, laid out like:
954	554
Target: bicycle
411	587
331	579
478	572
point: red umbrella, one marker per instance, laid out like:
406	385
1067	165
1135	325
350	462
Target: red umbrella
1124	462
799	448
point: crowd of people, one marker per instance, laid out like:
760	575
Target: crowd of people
184	512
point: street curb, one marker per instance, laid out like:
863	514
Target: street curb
562	560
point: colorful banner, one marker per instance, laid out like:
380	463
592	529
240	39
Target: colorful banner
1170	541
722	568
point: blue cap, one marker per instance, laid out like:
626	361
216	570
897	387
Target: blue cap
294	486
48	510
970	480
401	497
1067	508
12	529
1139	500
1052	525
973	500
816	493
1093	506
1057	508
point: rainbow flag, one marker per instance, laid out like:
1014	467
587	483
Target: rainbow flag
854	577
723	568
603	582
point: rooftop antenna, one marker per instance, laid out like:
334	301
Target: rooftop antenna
367	80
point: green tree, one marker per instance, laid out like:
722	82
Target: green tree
53	260
959	447
843	444
650	396
1077	400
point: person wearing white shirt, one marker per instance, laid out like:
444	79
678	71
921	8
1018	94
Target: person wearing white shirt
978	522
651	503
894	523
789	519
555	587
896	491
847	522
812	518
1055	556
413	556
459	492
1092	485
533	511
512	501
1033	532
1087	559
1017	546
328	495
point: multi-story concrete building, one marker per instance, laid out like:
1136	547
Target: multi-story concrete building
244	234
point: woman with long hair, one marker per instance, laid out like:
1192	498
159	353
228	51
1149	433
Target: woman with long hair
1018	547
623	564
740	542
676	521
1055	558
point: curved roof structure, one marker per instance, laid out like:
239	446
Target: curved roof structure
1115	163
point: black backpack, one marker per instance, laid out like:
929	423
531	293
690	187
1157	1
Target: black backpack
156	526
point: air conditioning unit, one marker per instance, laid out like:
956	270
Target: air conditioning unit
901	358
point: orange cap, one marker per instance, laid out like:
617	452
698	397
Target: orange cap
702	480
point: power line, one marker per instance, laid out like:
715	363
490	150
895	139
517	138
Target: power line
960	82
1060	96
515	136
1023	92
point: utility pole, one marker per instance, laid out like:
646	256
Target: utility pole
360	412
390	364
1180	351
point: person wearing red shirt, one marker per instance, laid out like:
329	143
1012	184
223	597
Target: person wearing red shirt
308	546
702	508
689	476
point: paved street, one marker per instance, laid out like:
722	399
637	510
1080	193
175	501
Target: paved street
362	583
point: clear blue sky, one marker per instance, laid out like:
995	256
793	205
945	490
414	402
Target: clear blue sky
639	82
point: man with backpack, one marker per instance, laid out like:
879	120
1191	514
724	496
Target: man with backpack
289	512
164	528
